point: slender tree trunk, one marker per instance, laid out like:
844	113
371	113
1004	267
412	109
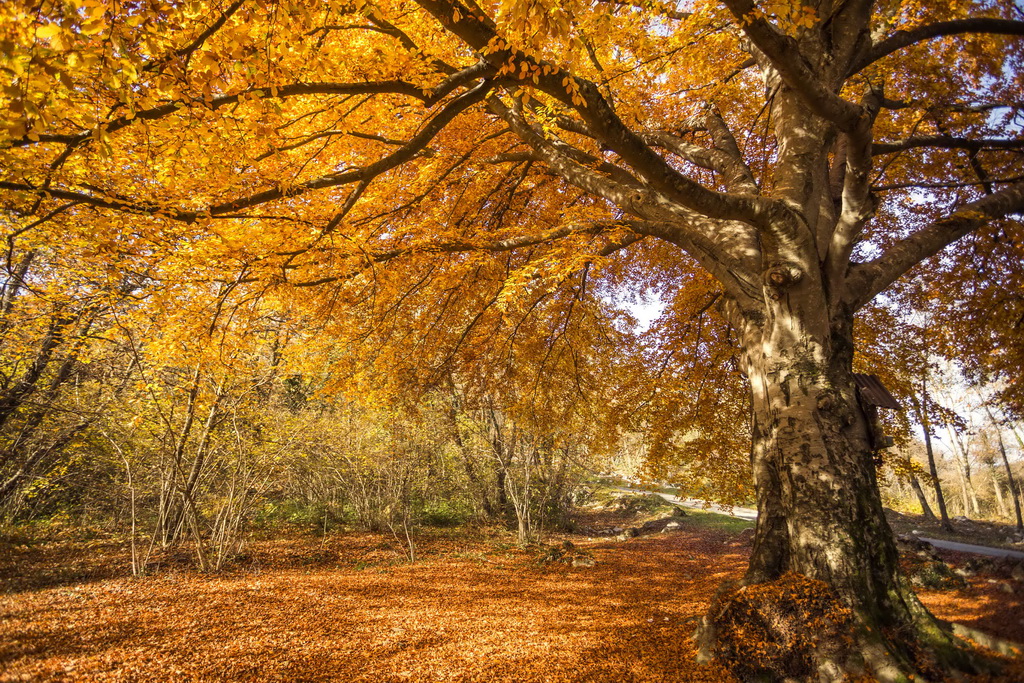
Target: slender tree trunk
919	492
965	500
1012	485
962	457
922	417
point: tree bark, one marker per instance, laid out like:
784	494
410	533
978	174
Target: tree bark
820	511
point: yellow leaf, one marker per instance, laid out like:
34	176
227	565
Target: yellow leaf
48	31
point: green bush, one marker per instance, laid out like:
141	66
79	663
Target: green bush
445	513
297	513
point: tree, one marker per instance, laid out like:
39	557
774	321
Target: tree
416	170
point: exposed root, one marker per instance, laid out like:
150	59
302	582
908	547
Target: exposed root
797	629
1003	647
789	628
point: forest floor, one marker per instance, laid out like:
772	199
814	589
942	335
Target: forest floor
347	607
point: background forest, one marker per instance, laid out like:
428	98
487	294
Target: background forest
149	405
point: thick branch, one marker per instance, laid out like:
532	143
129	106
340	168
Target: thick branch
723	248
902	39
869	279
856	203
738	174
784	54
713	160
585	97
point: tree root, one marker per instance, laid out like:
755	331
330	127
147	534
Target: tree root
1003	647
797	629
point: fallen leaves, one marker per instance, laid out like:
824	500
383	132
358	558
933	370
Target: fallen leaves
465	613
473	609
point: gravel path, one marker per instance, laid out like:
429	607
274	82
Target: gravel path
750	514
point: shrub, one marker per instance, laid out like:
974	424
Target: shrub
445	513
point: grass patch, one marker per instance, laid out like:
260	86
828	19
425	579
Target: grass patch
704	519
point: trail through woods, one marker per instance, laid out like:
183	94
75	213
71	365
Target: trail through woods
476	610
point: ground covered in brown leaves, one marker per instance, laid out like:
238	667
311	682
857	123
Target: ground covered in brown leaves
472	609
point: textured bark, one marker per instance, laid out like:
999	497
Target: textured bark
820	512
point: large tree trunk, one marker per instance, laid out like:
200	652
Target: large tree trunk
820	512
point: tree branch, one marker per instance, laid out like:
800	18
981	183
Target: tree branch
416	144
955	107
946	142
585	97
714	244
395	87
945	185
856	203
866	280
503	245
785	56
661	9
902	39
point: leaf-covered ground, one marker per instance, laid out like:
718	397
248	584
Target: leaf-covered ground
472	609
